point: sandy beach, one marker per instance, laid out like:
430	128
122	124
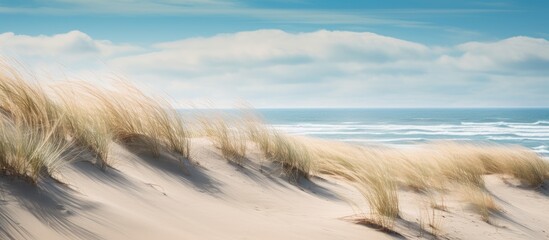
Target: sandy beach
81	161
142	197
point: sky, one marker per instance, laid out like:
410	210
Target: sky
292	53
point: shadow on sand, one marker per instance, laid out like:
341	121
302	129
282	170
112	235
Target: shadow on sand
51	203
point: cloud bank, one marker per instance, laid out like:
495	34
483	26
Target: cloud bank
273	68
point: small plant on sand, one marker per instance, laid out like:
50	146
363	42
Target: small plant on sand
229	139
429	221
483	203
439	205
85	126
27	153
381	193
126	114
291	152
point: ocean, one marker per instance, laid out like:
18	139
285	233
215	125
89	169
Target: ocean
528	127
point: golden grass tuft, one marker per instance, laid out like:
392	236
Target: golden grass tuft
429	221
84	124
28	154
367	170
26	103
126	114
291	152
481	201
227	137
91	116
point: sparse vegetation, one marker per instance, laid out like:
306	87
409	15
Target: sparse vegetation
38	126
429	221
481	201
227	137
291	152
86	116
27	154
130	115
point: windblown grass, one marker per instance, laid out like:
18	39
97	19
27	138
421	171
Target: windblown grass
481	201
85	124
30	141
92	116
429	221
28	154
291	152
380	190
368	171
476	160
227	137
126	114
378	171
131	114
26	103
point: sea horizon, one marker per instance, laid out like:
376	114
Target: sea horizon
402	127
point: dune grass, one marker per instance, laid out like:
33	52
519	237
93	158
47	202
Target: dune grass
378	172
30	141
29	154
84	124
515	161
91	116
434	224
226	136
130	114
367	171
483	203
26	103
292	152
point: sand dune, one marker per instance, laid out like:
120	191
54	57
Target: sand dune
144	197
147	198
79	161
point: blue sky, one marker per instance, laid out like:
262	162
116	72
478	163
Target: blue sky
294	53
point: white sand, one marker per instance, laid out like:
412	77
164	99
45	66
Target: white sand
147	198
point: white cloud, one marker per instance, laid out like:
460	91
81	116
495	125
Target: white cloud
273	47
272	68
73	53
74	43
509	54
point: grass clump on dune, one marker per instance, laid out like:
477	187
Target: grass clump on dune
26	103
131	114
291	152
125	113
368	171
377	172
30	141
483	203
515	161
84	124
227	137
28	154
92	116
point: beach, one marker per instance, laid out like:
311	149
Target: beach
82	161
144	198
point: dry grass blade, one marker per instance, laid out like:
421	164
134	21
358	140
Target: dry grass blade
483	203
227	137
290	151
27	154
